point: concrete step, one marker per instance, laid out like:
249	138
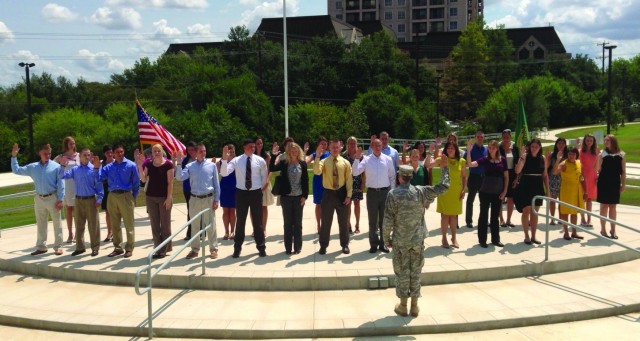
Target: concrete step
311	271
32	302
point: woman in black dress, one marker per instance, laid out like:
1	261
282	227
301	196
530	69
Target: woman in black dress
533	181
612	169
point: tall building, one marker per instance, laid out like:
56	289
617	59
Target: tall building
409	19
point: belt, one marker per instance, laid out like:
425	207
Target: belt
46	195
87	197
378	189
120	191
202	196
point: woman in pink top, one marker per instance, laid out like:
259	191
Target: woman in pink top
588	158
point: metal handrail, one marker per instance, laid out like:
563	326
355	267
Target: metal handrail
15	196
151	272
581	210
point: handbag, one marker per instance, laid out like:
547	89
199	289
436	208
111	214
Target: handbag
492	185
277	185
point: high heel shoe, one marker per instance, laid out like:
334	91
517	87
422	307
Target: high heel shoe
604	234
613	235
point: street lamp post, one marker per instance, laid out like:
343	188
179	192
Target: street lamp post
438	104
26	67
610	47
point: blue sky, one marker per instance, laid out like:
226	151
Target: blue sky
94	39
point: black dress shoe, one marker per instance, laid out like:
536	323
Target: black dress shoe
498	244
94	253
288	252
38	252
115	253
77	252
236	254
158	256
373	250
346	250
384	249
527	242
296	252
262	253
323	250
484	245
535	241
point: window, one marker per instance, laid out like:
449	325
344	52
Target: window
401	28
402	2
402	39
338	4
353	5
388	15
339	16
453	25
401	15
368	4
353	17
368	16
419	14
419	2
437	26
436	2
453	12
436	13
388	3
450	1
420	27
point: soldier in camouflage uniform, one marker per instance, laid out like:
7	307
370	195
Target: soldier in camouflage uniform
404	229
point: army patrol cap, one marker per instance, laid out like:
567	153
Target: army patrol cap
405	170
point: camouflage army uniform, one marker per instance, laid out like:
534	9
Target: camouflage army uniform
405	229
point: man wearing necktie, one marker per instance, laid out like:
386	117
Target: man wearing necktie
338	183
251	175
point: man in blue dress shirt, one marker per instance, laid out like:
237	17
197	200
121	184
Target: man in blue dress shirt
49	193
205	193
123	181
89	193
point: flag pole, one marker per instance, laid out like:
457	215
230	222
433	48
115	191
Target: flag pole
286	78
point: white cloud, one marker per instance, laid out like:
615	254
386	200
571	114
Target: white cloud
509	21
199	30
99	61
268	9
118	19
188	4
55	13
5	34
164	32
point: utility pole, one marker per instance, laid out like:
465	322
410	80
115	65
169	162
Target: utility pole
609	47
604	43
417	55
624	97
26	67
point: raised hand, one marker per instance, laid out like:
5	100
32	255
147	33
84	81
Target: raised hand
432	148
15	149
177	155
213	159
547	153
225	153
139	157
438	141
523	151
319	151
95	161
275	149
305	149
469	145
358	154
405	146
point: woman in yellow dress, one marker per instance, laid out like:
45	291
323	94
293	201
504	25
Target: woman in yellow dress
450	203
573	190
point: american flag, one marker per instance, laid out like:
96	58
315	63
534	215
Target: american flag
152	132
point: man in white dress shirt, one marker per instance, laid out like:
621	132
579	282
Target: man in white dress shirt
381	177
251	175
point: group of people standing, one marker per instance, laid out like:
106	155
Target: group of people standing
498	172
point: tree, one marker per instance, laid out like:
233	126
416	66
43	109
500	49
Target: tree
502	67
383	106
465	83
307	121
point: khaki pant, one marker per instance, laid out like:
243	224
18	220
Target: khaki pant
85	211
195	206
160	219
45	207
120	206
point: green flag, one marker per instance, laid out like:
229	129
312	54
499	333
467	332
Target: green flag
522	131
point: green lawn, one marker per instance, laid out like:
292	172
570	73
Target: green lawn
628	138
